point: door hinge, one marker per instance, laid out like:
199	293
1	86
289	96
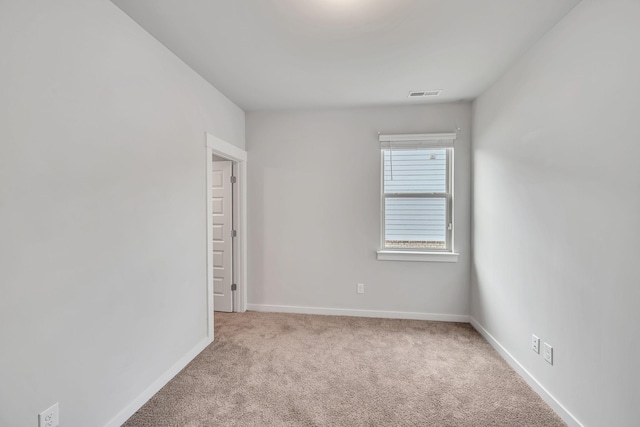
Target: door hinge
234	287
233	179
233	233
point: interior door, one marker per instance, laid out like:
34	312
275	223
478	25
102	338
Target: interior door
222	240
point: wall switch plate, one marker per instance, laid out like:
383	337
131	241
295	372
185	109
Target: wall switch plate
535	344
360	288
49	417
548	353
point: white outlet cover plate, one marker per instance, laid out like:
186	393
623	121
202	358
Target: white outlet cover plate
49	417
535	343
548	353
360	288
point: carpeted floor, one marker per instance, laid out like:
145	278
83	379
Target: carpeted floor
266	369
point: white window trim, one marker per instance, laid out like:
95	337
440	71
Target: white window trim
416	141
391	255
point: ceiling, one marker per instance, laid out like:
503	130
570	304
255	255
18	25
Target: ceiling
286	54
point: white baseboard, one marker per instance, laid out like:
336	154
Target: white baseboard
143	398
463	318
566	416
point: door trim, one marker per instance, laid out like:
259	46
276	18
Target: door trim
238	156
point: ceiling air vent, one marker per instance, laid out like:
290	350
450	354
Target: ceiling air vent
423	93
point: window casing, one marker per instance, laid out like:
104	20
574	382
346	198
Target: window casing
416	195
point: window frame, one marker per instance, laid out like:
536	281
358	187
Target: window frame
420	141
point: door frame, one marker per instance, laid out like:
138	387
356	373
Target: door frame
238	156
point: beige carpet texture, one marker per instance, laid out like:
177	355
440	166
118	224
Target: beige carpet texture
271	369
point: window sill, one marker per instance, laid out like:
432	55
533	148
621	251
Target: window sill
389	255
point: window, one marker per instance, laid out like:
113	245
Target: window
417	197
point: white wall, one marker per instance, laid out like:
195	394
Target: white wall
556	208
314	212
102	208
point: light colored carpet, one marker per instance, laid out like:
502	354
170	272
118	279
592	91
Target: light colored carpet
268	369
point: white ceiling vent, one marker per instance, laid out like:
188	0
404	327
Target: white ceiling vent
423	93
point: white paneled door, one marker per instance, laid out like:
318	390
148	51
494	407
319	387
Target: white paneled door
222	238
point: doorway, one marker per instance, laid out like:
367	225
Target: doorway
226	225
222	183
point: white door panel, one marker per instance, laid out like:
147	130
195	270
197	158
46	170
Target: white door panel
218	205
222	240
218	259
218	233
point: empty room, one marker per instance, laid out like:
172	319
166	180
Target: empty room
319	213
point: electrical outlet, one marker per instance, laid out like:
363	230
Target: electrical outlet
49	417
535	344
360	288
548	353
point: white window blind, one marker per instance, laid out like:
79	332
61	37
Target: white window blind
417	192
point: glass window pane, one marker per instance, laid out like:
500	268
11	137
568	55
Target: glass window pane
415	223
415	171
